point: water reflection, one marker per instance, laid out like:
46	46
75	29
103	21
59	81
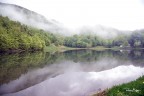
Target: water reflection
72	73
81	83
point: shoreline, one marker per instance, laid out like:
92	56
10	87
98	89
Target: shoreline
133	88
53	49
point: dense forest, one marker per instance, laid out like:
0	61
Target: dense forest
133	40
15	36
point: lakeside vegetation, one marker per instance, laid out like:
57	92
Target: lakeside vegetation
134	88
17	37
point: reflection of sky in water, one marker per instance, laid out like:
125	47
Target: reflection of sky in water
75	79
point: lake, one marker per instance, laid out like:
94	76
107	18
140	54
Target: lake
69	73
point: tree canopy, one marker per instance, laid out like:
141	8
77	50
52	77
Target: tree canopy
15	36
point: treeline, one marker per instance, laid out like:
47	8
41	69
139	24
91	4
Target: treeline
133	40
15	36
86	41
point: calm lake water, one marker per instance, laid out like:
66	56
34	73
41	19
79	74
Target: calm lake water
70	73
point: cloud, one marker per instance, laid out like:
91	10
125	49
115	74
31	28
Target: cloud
120	14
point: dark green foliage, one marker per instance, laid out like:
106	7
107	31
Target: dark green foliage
87	41
134	88
133	40
137	39
79	41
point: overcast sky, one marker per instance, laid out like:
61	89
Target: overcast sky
121	14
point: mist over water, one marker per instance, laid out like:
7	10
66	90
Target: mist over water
76	73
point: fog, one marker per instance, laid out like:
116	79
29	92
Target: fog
31	18
103	31
67	78
119	14
36	20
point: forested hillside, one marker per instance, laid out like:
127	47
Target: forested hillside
15	36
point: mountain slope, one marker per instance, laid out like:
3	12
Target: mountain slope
17	37
31	18
28	17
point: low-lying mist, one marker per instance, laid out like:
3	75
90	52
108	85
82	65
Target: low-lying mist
36	20
103	31
31	18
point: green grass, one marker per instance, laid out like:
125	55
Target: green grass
52	48
134	88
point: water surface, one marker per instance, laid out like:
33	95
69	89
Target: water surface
70	73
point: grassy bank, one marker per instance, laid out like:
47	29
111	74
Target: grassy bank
134	88
52	48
